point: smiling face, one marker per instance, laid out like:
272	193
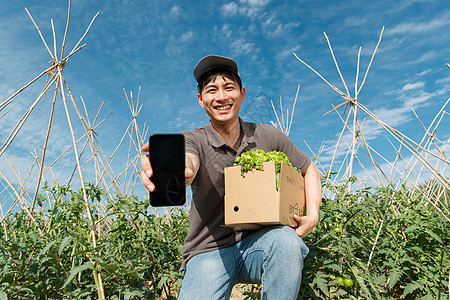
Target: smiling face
221	98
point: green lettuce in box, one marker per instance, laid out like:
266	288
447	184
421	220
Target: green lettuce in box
254	160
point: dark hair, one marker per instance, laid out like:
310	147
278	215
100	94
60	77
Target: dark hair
212	74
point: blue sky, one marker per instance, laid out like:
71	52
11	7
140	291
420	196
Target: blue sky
156	44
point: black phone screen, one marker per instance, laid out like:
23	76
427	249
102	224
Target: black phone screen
167	157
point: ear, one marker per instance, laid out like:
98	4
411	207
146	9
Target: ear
200	100
243	94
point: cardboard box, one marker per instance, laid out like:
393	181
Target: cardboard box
253	201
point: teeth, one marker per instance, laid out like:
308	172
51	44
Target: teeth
224	107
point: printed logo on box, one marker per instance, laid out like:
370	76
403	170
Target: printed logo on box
292	181
296	209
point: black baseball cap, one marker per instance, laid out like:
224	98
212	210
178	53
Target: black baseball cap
214	61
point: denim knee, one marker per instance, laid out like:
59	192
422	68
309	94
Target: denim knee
287	246
284	253
209	275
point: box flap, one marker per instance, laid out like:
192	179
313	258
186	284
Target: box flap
253	182
291	181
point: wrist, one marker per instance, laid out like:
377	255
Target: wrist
313	216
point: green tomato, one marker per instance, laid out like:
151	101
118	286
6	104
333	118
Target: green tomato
348	282
338	229
340	280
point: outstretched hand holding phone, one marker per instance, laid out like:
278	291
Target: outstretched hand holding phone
164	172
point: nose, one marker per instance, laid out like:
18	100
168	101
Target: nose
221	95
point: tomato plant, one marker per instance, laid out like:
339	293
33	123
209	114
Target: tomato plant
139	253
409	259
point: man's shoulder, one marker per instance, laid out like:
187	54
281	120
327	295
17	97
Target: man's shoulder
261	126
195	131
196	136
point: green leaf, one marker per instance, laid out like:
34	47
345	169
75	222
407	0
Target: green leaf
30	289
322	282
111	268
46	248
434	235
340	292
359	278
411	228
33	237
3	295
394	276
74	271
137	293
411	287
379	280
66	241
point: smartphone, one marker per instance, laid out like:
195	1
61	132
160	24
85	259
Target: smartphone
168	158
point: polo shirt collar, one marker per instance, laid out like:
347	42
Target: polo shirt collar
213	137
217	142
249	137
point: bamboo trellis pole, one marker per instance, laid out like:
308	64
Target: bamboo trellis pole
406	141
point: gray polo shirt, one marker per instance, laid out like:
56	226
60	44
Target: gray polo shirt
207	230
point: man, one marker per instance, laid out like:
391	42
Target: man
215	256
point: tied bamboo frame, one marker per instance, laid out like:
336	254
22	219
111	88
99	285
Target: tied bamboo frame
416	149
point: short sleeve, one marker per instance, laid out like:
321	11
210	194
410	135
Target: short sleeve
191	143
297	157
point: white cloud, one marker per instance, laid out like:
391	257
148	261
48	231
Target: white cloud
406	3
413	101
443	80
288	52
227	30
420	27
425	72
174	11
186	36
268	21
280	28
392	117
430	55
250	8
230	8
242	46
413	86
355	22
255	2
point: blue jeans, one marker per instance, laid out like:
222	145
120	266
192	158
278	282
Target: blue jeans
272	256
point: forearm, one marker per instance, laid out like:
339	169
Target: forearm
313	191
192	166
313	195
